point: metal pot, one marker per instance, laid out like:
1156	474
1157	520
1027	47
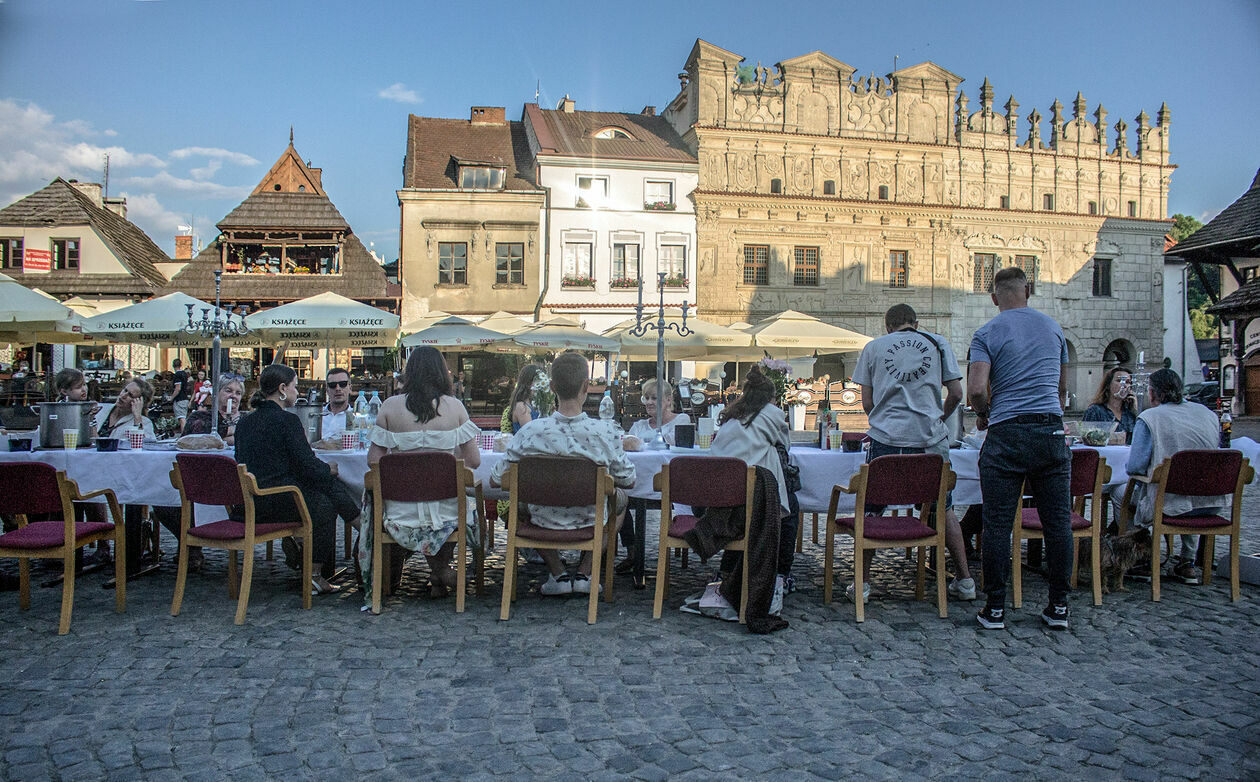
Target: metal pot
312	418
58	417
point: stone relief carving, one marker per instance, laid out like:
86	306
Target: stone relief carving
814	112
711	103
923	120
761	109
745	175
910	182
829	167
713	174
856	187
870	106
803	175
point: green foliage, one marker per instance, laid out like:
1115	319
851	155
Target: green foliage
1196	295
1183	226
1204	325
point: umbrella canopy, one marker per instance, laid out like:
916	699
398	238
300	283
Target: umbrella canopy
29	315
424	321
563	334
454	334
705	337
796	332
504	322
156	321
325	320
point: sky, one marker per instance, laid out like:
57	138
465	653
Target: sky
193	100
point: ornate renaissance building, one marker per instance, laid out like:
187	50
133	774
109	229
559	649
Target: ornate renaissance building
840	195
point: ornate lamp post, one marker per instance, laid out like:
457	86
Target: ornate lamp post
220	326
641	328
1140	382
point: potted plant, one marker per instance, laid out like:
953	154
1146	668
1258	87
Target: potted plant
577	281
659	206
676	281
623	282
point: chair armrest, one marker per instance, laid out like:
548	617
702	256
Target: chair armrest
107	493
279	490
657	481
842	488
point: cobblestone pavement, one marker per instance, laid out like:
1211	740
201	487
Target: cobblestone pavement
1135	689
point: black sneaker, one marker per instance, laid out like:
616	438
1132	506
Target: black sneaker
1186	573
292	552
1055	616
991	618
1140	573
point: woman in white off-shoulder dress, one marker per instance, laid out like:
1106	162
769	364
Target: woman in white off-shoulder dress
424	417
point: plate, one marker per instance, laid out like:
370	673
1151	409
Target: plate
161	445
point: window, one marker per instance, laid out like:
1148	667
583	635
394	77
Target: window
480	178
65	253
577	268
883	192
509	263
1047	202
592	191
612	133
673	261
658	194
1102	276
1249	273
829	187
898	268
626	263
805	268
10	253
1133	209
985	263
452	263
1028	265
1005	202
776	185
756	264
1093	207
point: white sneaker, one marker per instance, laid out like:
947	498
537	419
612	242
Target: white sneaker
776	602
963	589
582	584
866	592
561	585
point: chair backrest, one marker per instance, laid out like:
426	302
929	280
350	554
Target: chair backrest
419	476
210	479
1084	470
708	481
1204	473
904	479
557	481
29	487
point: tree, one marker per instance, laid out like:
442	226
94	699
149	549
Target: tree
1196	295
1203	324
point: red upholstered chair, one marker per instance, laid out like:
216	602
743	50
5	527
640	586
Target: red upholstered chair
562	482
28	488
700	481
1206	473
423	476
903	479
213	479
1089	474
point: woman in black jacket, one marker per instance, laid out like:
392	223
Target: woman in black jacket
271	444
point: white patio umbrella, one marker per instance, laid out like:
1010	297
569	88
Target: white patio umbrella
156	321
504	322
424	321
454	334
325	320
562	334
28	315
797	332
705	336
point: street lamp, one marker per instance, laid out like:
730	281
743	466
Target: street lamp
217	327
642	327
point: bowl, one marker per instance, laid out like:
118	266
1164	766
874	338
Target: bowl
20	443
107	443
1096	433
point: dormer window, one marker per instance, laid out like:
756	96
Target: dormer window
481	178
613	132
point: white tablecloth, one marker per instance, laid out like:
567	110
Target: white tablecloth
142	477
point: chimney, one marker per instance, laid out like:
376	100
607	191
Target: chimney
183	247
90	189
566	105
117	205
488	115
649	111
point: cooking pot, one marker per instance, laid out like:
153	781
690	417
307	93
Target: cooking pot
58	417
312	418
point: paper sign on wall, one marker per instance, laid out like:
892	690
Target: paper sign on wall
36	260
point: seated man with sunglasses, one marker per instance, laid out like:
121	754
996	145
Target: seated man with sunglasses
338	415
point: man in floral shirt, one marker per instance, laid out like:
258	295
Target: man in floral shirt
570	432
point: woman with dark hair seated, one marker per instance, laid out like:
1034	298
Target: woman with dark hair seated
271	444
231	391
1114	402
424	417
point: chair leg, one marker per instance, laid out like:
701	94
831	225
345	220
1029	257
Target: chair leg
1209	557
815	515
461	572
800	532
1076	563
743	591
247	576
859	579
379	562
234	581
67	592
942	606
120	568
308	567
662	574
509	580
1017	572
610	556
1155	544
920	567
24	583
1233	566
1095	565
829	552
181	575
348	534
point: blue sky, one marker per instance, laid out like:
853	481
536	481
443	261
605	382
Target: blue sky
194	99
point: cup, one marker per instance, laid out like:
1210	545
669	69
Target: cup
70	439
703	440
349	440
835	439
136	439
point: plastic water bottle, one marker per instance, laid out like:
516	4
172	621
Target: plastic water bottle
373	408
607	409
360	403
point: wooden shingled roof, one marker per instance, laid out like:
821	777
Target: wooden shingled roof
63	204
1235	231
573	133
435	146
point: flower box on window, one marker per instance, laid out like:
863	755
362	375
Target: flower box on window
582	203
623	282
577	281
659	206
232	267
677	281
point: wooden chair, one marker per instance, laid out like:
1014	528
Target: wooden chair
903	479
701	481
1089	474
1205	473
423	476
28	488
563	482
213	479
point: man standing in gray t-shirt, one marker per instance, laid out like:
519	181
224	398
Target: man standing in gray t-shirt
901	375
1015	382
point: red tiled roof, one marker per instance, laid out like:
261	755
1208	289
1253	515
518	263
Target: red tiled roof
435	144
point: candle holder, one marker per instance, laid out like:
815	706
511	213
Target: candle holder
641	328
221	325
